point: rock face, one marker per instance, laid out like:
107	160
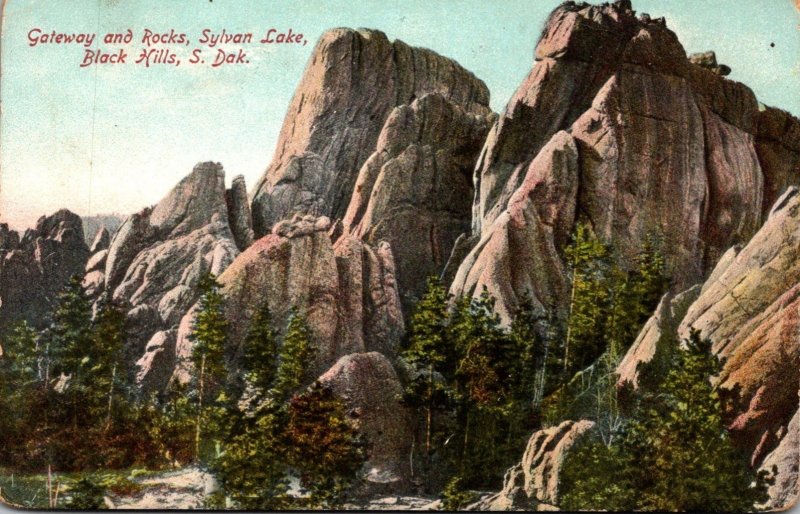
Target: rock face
656	340
347	293
533	483
750	309
654	143
241	220
415	190
351	85
34	268
371	392
101	241
786	457
158	255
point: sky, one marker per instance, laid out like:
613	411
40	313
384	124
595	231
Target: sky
116	138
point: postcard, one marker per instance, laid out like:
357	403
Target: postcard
457	255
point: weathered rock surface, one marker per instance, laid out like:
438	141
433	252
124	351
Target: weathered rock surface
533	484
657	339
241	220
155	367
371	392
415	190
92	225
778	148
519	253
156	258
750	309
34	268
751	312
786	457
347	293
101	241
665	145
351	85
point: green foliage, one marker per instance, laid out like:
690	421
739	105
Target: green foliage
260	350
295	357
85	494
323	445
252	469
209	336
586	262
454	496
675	454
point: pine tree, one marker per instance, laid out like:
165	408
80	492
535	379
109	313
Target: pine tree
430	352
70	332
295	358
323	445
676	453
586	257
108	373
209	335
261	351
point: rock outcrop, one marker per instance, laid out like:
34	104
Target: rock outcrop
35	267
533	484
157	256
786	459
241	220
750	309
372	394
346	292
415	190
101	241
353	81
662	144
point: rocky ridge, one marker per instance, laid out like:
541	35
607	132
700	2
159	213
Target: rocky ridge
639	126
36	266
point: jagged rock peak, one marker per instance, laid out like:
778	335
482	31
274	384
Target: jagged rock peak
352	82
34	268
101	241
239	215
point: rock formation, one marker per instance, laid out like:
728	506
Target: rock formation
372	394
241	220
351	85
35	267
648	141
415	190
346	292
158	255
750	309
533	484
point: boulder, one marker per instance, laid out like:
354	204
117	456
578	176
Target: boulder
156	365
533	484
353	81
372	394
415	191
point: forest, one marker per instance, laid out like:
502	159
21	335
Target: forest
255	419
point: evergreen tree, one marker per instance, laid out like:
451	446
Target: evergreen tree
323	446
108	374
209	335
676	453
260	351
430	352
295	358
70	332
586	263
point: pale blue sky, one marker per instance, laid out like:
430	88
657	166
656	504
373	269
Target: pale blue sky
149	126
